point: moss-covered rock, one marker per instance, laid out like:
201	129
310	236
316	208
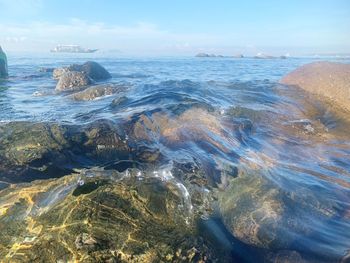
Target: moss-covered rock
122	219
43	150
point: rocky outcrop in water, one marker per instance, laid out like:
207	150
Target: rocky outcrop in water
3	64
103	217
97	91
72	81
58	72
76	76
327	80
205	55
92	69
32	151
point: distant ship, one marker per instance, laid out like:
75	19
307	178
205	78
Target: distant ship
72	49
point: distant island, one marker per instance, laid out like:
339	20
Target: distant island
205	55
257	56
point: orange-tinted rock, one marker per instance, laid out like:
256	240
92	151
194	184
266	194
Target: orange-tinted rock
325	79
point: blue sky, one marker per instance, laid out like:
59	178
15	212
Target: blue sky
178	27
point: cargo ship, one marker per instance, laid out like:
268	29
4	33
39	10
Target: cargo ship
72	49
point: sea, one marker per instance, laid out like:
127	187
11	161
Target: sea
279	159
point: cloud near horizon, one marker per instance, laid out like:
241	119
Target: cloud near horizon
141	37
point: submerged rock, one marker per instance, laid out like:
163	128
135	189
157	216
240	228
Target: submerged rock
97	91
32	151
124	220
259	213
118	101
72	81
252	211
326	79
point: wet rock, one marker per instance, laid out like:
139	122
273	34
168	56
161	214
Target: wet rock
118	101
32	151
94	70
286	256
252	211
86	242
58	72
125	220
97	91
72	81
259	213
246	113
3	64
325	79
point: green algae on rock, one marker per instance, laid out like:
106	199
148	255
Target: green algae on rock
258	213
42	150
123	219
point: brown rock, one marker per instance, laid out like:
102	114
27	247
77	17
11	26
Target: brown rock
97	91
72	81
325	79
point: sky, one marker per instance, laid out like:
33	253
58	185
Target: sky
178	27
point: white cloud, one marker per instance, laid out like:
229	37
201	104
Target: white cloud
139	38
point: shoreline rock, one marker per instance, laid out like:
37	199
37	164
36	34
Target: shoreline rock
328	80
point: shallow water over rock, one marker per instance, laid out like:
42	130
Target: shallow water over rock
183	160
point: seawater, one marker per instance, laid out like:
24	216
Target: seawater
260	127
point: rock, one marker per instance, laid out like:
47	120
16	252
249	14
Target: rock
92	69
58	72
202	55
73	81
85	241
32	151
327	80
122	220
95	71
118	101
3	64
94	92
252	211
286	256
260	213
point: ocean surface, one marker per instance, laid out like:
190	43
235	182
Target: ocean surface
278	160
